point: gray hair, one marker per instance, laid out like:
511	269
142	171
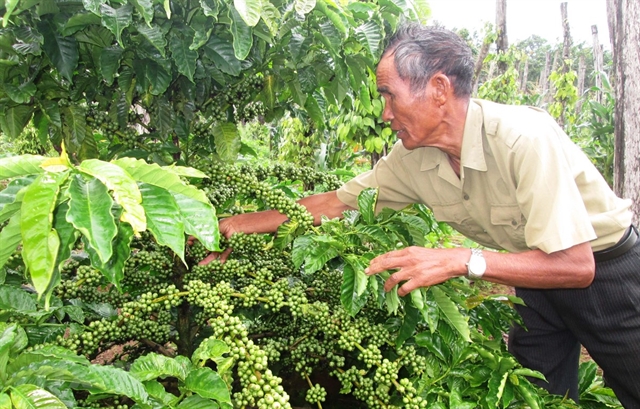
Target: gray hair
420	52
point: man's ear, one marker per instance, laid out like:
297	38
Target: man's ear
441	88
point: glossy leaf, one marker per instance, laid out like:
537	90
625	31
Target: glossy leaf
76	127
199	220
451	312
163	219
158	176
124	187
32	397
113	270
409	324
110	62
116	20
304	7
11	197
10	238
90	212
209	349
367	204
145	8
16	299
116	381
183	56
242	35
197	402
153	366
39	242
370	35
221	52
93	5
351	301
14	119
249	10
62	51
208	384
227	142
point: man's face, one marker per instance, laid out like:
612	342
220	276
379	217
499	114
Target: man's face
413	117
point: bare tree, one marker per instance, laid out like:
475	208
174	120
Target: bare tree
502	43
582	69
484	50
525	73
566	44
597	61
544	74
623	16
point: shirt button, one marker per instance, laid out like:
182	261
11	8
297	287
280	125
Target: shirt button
514	223
466	196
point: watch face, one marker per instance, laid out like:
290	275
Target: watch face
477	264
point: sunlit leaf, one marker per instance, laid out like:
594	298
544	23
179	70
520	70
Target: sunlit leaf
90	212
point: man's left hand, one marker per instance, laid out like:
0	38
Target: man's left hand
419	267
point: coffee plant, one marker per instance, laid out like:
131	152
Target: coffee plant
287	319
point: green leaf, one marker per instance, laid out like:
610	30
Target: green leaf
9	6
110	62
74	127
156	390
183	56
208	384
315	112
124	187
118	382
249	10
370	35
90	212
199	220
209	349
11	196
113	270
242	35
39	242
392	301
153	366
78	22
5	401
197	402
303	7
16	299
14	119
21	94
286	233
10	238
145	8
227	140
93	5
451	312
409	323
367	204
30	396
221	52
497	383
62	51
351	301
586	375
162	177
116	20
163	219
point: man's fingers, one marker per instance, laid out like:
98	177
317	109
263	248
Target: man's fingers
225	255
209	258
384	262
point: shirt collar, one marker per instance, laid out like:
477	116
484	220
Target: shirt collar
472	148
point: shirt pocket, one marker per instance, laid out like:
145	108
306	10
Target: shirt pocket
510	222
457	216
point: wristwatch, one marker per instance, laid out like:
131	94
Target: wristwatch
477	265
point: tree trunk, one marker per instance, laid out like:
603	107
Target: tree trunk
582	69
597	62
478	67
566	45
524	75
502	43
625	14
544	74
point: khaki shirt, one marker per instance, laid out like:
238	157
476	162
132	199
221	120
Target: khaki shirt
523	184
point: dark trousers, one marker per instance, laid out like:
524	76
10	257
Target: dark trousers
605	318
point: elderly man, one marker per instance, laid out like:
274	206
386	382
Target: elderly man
509	178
